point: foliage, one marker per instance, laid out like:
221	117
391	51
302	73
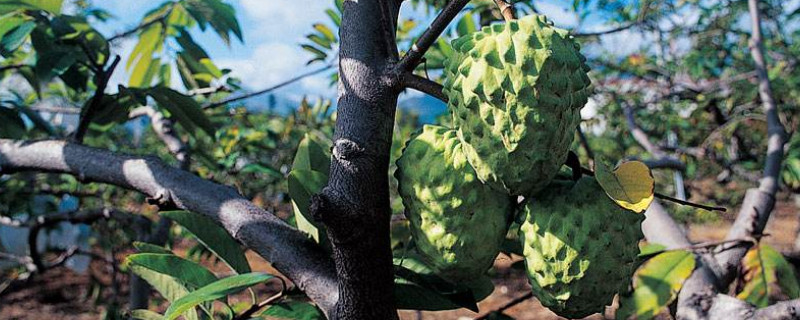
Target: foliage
767	277
688	86
656	284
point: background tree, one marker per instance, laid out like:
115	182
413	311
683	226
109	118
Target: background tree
710	98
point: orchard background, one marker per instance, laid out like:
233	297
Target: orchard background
145	159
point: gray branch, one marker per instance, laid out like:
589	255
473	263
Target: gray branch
165	130
662	159
699	298
289	250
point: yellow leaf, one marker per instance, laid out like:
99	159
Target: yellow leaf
630	184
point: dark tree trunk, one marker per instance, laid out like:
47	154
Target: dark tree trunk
355	205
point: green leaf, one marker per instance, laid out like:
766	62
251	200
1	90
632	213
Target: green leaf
142	314
325	31
322	42
38	121
211	68
651	249
190	47
165	75
167	286
768	277
335	17
186	73
213	237
12	125
10	21
150	40
53	63
142	74
221	16
186	110
258	168
216	290
466	25
186	271
52	6
302	185
418	287
339	5
656	284
145	247
317	52
14	38
295	310
312	155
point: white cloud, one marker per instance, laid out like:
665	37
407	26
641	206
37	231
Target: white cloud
283	19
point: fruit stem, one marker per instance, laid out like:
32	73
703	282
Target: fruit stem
506	9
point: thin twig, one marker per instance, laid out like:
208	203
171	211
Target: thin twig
691	204
141	26
605	32
267	90
50	109
12	67
414	55
247	314
585	143
713	244
668	198
506	9
640	20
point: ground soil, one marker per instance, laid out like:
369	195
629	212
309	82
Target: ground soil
63	294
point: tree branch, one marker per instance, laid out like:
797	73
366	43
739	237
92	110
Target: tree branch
165	130
414	55
289	250
662	159
424	85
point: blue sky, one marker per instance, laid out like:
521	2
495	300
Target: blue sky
273	30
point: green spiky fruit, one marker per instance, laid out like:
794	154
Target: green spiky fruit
456	221
580	247
515	91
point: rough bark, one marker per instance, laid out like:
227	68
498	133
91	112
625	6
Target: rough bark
289	250
354	206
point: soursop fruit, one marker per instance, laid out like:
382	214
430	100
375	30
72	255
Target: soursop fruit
515	90
580	247
457	222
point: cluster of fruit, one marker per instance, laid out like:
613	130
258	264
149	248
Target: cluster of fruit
515	91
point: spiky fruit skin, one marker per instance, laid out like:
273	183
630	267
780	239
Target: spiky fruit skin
457	222
580	247
515	91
